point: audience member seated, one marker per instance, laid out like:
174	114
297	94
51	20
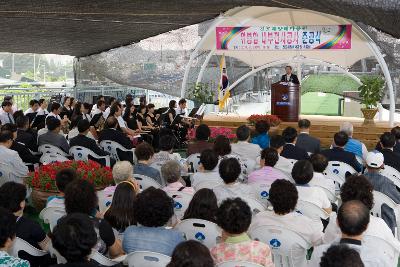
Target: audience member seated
6	114
203	206
53	137
122	171
63	178
337	152
116	112
262	138
96	107
396	132
167	144
267	173
80	196
382	184
191	253
7	236
74	237
24	135
120	214
319	163
302	173
305	140
12	198
207	169
171	173
234	217
144	155
229	171
283	196
42	110
33	107
23	152
391	158
110	133
98	115
341	255
201	143
290	151
353	219
18	170
222	147
153	209
353	145
55	112
277	142
359	188
243	148
83	140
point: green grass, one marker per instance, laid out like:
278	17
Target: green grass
328	83
313	103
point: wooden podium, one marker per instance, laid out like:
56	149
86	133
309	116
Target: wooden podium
285	101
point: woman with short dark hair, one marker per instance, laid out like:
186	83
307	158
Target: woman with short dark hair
203	206
262	138
234	217
191	253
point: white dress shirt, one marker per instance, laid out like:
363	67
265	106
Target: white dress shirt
212	176
284	165
87	117
183	112
121	122
106	113
6	117
17	167
28	111
246	150
41	111
320	180
314	195
237	189
51	114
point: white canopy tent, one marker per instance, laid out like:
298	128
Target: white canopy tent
362	45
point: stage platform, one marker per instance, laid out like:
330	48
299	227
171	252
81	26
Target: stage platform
322	127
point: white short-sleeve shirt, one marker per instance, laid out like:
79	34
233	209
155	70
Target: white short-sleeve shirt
314	195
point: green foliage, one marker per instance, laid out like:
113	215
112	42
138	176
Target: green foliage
201	93
371	90
328	83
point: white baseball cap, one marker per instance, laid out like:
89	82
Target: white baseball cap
375	159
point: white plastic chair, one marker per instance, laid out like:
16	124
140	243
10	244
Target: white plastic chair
254	205
386	250
51	215
379	200
261	190
22	245
50	158
210	184
181	202
311	210
5	171
147	259
203	231
55	254
105	200
337	170
284	244
47	148
194	162
83	153
145	181
113	147
392	174
238	264
104	261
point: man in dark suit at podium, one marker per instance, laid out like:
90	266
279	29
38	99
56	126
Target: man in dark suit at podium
289	76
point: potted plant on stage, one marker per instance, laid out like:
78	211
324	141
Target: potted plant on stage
43	184
371	92
201	93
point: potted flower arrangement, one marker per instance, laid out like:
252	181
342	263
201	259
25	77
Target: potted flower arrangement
371	92
214	132
43	184
272	120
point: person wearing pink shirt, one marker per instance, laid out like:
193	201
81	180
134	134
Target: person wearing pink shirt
171	173
267	173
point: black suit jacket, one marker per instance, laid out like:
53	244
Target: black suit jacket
293	78
290	151
27	138
308	143
89	143
116	136
24	153
391	158
338	154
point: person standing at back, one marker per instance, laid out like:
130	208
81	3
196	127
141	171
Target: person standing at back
305	140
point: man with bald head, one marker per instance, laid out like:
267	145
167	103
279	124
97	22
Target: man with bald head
111	133
353	219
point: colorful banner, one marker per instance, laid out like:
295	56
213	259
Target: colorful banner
284	37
